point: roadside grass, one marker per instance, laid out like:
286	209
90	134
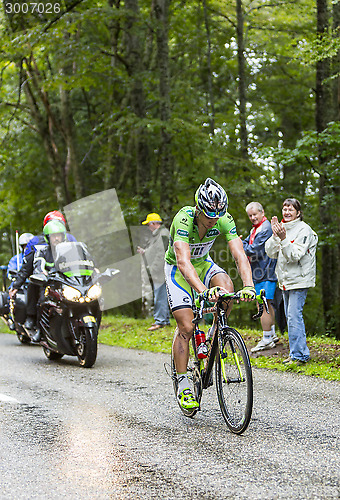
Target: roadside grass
4	327
132	333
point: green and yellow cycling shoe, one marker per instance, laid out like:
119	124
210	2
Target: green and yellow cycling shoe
187	400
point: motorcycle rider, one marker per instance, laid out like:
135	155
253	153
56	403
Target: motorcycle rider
54	233
39	239
27	269
23	241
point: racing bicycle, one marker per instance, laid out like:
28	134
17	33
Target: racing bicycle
233	374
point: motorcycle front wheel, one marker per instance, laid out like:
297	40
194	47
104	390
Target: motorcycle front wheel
87	347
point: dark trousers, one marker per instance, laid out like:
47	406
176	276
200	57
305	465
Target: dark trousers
33	292
279	309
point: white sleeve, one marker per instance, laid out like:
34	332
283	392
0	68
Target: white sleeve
272	247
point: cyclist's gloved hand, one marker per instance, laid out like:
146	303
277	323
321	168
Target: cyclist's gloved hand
208	295
248	293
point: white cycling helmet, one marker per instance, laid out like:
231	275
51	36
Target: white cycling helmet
211	199
24	238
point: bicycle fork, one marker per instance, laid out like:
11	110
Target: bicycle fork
223	361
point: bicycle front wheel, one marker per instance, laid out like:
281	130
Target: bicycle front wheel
234	381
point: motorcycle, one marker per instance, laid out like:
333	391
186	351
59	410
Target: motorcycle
69	312
13	312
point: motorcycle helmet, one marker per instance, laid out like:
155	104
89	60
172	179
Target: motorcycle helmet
54	215
211	199
24	238
54	227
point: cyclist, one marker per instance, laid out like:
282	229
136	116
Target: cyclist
188	267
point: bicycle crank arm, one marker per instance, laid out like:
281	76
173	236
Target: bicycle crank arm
234	380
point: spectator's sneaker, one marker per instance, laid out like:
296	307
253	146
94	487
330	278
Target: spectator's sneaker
155	326
275	339
263	344
187	400
289	361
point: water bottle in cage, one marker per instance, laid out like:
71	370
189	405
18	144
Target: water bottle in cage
202	350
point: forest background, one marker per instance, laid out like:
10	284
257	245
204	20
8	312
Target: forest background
152	97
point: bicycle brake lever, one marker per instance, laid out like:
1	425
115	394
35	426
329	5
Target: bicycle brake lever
200	301
264	300
259	313
266	304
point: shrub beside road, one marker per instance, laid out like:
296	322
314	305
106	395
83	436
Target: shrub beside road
132	333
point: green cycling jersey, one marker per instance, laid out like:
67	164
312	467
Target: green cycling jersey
184	228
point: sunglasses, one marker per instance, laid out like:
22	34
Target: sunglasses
213	215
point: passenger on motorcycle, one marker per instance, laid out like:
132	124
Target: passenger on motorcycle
23	241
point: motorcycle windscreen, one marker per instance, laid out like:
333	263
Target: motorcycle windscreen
73	259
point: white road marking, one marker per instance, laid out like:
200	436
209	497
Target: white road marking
8	399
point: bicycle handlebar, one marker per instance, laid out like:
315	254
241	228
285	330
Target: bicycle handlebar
228	297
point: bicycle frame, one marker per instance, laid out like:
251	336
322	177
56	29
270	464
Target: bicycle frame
219	323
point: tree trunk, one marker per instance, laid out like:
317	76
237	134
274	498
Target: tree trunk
336	186
71	163
336	63
324	114
167	199
42	115
242	85
134	44
211	102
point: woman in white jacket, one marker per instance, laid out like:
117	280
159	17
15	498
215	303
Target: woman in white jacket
293	244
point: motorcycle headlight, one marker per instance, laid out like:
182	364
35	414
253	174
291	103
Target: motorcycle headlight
94	292
71	294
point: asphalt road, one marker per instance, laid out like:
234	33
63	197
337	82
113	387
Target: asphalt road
115	432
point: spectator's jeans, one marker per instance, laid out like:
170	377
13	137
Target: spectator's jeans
161	307
294	300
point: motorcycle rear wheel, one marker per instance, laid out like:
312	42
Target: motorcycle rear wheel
87	347
52	355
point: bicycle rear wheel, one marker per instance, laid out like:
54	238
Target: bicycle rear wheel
194	378
234	381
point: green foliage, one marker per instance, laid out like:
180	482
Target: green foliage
124	331
89	81
305	159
